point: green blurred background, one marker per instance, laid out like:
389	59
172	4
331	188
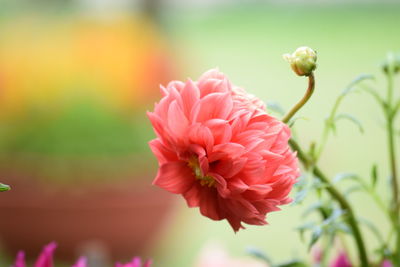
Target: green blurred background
76	78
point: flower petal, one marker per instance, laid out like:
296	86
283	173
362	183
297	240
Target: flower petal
46	256
175	177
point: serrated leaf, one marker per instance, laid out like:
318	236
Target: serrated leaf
374	175
350	118
4	187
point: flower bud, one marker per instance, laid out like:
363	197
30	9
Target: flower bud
303	60
393	61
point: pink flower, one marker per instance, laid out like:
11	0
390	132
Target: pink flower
136	262
20	260
387	263
219	149
45	259
82	262
341	261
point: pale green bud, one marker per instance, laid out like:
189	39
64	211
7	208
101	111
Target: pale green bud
303	61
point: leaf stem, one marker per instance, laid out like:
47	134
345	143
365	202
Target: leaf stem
335	193
300	104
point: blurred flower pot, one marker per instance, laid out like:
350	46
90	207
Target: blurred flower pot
124	217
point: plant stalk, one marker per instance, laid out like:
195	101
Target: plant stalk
300	104
335	193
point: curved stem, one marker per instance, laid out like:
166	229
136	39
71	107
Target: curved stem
307	95
351	220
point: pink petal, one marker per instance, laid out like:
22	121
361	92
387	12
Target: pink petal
227	150
46	256
176	177
257	192
212	106
220	129
200	135
192	196
177	121
190	95
147	263
209	204
20	260
82	262
163	153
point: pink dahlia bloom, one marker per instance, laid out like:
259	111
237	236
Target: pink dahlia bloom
219	149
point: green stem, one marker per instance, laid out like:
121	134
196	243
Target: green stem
390	112
307	95
328	126
351	220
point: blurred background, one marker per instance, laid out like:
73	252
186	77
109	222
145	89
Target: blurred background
77	76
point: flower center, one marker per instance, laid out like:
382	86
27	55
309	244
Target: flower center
205	180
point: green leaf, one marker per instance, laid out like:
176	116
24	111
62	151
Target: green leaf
374	94
295	119
374	175
300	196
345	175
337	213
275	107
356	81
351	119
257	253
4	187
373	229
294	263
313	207
315	235
352	189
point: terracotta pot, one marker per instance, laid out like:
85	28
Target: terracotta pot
125	216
